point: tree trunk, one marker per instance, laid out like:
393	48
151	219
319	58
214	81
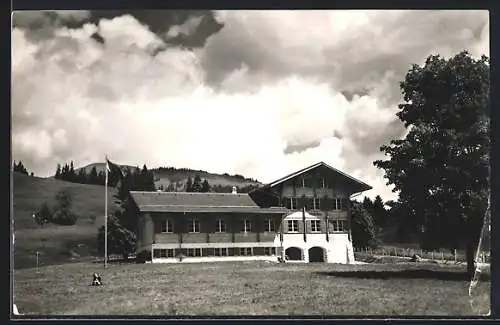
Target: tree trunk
469	257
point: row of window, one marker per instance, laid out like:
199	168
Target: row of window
221	226
338	225
293	226
294	203
226	251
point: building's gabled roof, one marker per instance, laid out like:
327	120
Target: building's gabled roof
361	185
198	202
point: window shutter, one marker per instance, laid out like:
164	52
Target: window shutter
308	226
322	224
301	226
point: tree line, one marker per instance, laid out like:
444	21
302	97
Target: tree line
139	176
19	168
67	172
196	184
162	170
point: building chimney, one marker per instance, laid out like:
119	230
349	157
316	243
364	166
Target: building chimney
234	190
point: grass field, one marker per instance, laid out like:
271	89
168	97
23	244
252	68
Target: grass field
56	244
245	288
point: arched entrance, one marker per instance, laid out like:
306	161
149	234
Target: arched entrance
316	254
293	253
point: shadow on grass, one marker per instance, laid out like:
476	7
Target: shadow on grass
404	274
130	260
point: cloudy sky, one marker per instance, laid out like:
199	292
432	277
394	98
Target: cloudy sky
256	93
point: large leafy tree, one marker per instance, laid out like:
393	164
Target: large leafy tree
441	168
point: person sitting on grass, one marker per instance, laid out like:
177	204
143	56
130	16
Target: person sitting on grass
97	281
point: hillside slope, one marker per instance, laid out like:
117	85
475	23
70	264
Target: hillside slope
175	179
99	167
56	244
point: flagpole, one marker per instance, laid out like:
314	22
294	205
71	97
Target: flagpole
106	213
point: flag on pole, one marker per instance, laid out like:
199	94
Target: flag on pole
114	170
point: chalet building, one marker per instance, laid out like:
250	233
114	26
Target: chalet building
302	217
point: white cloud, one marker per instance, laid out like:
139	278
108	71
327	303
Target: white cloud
186	29
74	98
126	32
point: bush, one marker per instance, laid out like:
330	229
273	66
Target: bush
64	218
44	215
63	214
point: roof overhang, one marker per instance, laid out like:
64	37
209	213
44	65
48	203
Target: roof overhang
211	209
355	185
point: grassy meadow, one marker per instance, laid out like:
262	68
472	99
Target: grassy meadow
55	244
246	288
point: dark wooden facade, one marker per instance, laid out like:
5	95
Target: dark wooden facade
208	231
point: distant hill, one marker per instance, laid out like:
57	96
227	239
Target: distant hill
56	244
100	167
175	179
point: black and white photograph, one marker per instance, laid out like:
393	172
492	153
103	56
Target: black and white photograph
177	163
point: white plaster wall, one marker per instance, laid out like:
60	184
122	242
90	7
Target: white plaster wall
338	248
